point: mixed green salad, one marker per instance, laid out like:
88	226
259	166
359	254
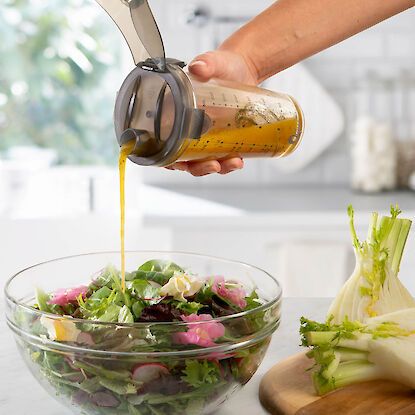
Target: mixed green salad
152	383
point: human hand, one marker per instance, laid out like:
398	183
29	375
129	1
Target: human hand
226	65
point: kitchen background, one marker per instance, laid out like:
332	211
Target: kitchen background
61	65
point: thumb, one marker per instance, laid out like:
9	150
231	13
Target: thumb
203	66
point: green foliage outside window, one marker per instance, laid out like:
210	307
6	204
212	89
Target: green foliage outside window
60	67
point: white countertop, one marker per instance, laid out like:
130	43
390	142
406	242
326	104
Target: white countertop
20	394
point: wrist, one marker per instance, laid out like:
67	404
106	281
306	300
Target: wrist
237	46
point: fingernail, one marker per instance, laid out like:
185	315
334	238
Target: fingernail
200	64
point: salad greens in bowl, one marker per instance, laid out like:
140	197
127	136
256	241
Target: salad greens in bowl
184	333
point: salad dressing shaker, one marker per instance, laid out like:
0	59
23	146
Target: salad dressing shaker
172	116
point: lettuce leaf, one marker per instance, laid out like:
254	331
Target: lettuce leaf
200	372
156	276
160	265
42	299
144	290
125	315
252	301
118	386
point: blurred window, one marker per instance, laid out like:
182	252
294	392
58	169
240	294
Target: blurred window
61	64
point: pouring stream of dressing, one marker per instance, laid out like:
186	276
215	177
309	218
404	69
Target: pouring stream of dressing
125	151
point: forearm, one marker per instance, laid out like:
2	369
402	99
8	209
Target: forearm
292	30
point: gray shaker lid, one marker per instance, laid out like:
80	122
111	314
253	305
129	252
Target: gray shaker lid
136	22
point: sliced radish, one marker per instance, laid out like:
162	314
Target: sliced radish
80	398
70	363
145	372
85	338
96	274
106	399
154	283
152	299
222	372
76	377
95	282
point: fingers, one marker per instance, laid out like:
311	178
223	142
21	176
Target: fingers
223	65
203	168
204	66
179	165
232	164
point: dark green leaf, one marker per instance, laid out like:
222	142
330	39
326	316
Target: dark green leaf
138	308
160	265
156	276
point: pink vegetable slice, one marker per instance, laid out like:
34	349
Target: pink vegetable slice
154	284
146	372
80	398
70	363
152	299
96	274
76	377
85	338
222	372
106	399
64	297
95	282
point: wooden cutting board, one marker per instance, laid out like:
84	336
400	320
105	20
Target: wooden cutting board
286	389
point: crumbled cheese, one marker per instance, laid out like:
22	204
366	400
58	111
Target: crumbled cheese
181	286
60	329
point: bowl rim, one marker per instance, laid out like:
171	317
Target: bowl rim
262	307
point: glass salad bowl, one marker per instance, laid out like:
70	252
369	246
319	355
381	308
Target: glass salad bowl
142	368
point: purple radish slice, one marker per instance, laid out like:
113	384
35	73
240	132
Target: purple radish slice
146	372
85	338
76	378
154	284
105	399
80	398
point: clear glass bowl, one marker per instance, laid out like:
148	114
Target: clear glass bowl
137	368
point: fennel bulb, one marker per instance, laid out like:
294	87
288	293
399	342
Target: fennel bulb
374	288
370	331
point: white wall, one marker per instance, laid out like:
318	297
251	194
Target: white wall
26	242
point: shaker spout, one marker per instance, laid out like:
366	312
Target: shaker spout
145	145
